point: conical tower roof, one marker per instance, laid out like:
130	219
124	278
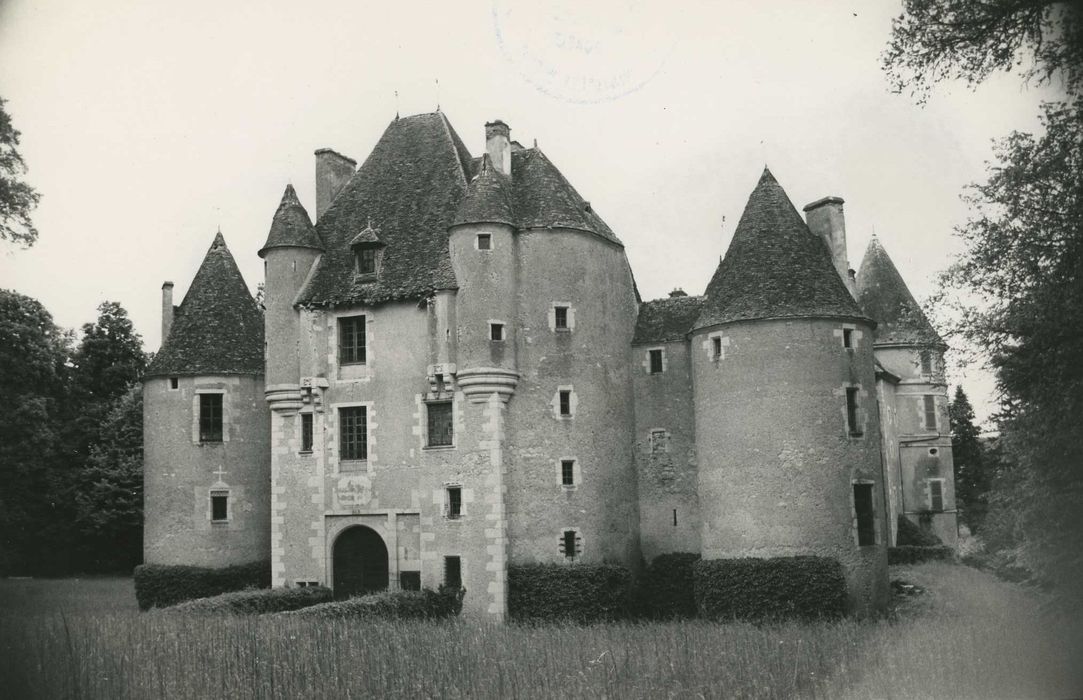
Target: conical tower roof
885	297
775	267
291	226
218	328
487	199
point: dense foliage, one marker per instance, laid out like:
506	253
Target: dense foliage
425	604
256	602
667	587
968	454
916	554
772	589
159	586
577	593
17	198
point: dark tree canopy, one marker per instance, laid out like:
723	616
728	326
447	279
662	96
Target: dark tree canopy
971	478
934	40
17	198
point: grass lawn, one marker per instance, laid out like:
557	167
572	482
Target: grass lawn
969	635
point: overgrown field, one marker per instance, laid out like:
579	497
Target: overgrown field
968	636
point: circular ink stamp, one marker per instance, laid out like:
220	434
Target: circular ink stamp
583	51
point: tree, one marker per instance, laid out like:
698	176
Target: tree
109	496
17	199
934	40
971	478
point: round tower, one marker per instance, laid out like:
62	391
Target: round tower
787	430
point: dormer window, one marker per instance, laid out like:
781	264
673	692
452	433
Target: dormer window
367	250
366	261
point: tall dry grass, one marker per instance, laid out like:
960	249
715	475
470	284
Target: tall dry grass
970	636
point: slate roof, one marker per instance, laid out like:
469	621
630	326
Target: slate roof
885	297
775	267
666	320
218	328
418	181
291	225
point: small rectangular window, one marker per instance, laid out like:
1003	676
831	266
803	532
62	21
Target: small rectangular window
441	424
936	495
453	572
366	261
851	412
567	472
353	433
174	382
454	503
716	347
848	338
659	441
568	544
219	506
561	318
351	340
410	580
306	432
656	361
926	362
210	418
496	331
930	411
565	402
485	241
863	509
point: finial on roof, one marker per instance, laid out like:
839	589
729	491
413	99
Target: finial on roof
535	143
396	105
438	95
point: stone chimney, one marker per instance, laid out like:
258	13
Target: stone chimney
498	145
333	171
678	292
826	220
167	309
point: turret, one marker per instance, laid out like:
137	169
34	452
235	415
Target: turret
291	249
787	433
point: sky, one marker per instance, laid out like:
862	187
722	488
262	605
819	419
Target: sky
148	125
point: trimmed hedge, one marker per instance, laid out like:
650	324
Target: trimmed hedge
425	604
668	586
575	593
256	602
770	589
912	534
159	585
910	554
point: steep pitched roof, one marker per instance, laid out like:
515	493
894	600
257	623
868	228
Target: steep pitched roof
291	225
884	296
218	328
774	267
544	198
409	188
665	320
488	198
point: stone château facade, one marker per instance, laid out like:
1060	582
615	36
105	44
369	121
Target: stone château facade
454	372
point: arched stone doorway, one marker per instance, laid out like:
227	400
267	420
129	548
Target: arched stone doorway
359	559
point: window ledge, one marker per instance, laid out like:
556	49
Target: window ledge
304	452
857	436
438	447
569	487
352	465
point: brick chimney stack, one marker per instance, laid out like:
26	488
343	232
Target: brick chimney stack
498	145
825	218
333	171
167	309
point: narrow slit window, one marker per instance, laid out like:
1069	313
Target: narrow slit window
656	361
926	362
453	572
569	544
441	424
565	402
496	331
659	441
210	418
174	382
219	506
863	510
936	495
485	241
561	318
851	412
848	338
674	517
567	472
351	340
353	433
930	411
306	432
716	348
454	502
